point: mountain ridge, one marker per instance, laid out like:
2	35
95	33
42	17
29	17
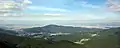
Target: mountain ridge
59	28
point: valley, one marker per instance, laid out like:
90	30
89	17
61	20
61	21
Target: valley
83	39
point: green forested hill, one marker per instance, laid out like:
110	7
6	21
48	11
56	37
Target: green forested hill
58	28
25	42
106	39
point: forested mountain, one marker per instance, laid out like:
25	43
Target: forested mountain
57	28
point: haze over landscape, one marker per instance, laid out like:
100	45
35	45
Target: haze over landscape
59	23
64	12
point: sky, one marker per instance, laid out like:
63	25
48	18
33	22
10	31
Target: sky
64	11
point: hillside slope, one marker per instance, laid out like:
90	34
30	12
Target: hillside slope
25	42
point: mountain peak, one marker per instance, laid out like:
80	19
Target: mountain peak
60	28
51	25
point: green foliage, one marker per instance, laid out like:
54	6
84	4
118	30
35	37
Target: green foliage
107	39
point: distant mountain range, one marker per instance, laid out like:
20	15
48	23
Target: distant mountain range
58	28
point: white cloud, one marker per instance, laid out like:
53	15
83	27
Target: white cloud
84	16
112	18
27	2
12	7
114	5
47	8
86	4
50	14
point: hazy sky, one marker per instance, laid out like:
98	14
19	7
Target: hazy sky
54	10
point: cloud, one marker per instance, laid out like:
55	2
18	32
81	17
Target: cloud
12	7
27	2
86	16
50	14
39	8
112	18
86	4
114	5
